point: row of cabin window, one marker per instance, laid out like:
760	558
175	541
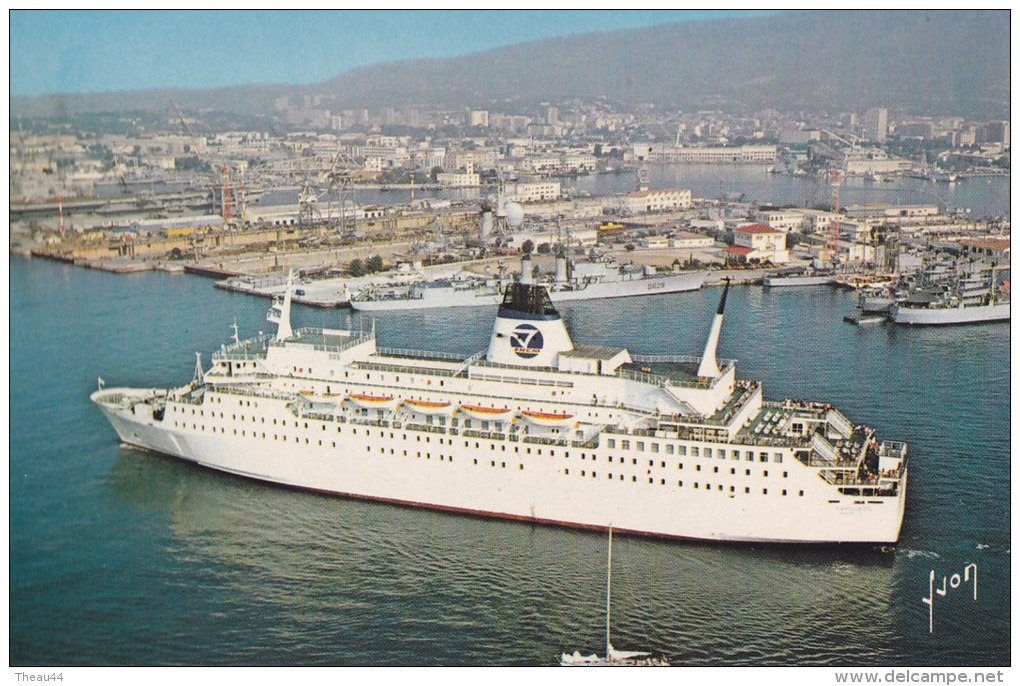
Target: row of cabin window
680	484
696	451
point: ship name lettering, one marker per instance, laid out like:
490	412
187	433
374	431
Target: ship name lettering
953	582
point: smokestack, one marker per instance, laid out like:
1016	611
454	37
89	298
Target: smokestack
709	368
526	269
561	268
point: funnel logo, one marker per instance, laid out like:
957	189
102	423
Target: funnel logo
526	341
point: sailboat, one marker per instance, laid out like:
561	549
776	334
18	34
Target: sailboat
613	657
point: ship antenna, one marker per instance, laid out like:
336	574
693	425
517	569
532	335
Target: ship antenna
199	374
709	368
237	339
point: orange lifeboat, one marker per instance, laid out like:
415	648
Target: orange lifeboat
486	413
547	418
373	402
429	406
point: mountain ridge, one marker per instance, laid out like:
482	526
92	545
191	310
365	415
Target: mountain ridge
925	62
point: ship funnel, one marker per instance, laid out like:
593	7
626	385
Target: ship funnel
279	313
528	332
526	269
561	269
709	368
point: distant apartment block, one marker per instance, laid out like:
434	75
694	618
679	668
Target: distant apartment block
667	152
876	124
478	118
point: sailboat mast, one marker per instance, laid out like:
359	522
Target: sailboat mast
609	587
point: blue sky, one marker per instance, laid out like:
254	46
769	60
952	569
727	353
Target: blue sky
93	51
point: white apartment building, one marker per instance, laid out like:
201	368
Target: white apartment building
459	179
662	200
757	242
532	191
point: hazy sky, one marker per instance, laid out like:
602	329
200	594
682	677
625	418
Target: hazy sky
91	51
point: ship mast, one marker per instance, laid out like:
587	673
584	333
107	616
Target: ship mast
709	368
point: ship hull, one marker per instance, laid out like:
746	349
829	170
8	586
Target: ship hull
628	288
790	281
912	316
517	480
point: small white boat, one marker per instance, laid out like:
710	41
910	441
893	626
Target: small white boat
613	657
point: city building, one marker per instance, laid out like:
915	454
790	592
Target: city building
758	243
876	124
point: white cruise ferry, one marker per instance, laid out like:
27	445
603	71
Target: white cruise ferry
535	428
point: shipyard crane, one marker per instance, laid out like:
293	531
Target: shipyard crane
340	178
180	116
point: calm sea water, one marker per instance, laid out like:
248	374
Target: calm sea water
983	196
118	556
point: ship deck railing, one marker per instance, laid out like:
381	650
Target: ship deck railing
420	354
400	369
248	349
317	339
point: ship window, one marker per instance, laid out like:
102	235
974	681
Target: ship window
682	449
476	460
763	457
583	472
747	472
747	489
651	480
777	457
749	456
720	487
784	491
731	489
633	478
695	484
503	464
680	484
800	493
662	482
655	447
679	465
625	445
333	444
641	446
651	463
669	449
594	474
662	464
611	443
697	467
735	455
708	452
695	451
765	472
715	470
764	491
633	460
566	471
785	474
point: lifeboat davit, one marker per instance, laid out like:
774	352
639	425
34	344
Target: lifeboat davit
429	406
486	413
547	418
373	402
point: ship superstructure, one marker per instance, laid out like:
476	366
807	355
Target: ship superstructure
534	428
